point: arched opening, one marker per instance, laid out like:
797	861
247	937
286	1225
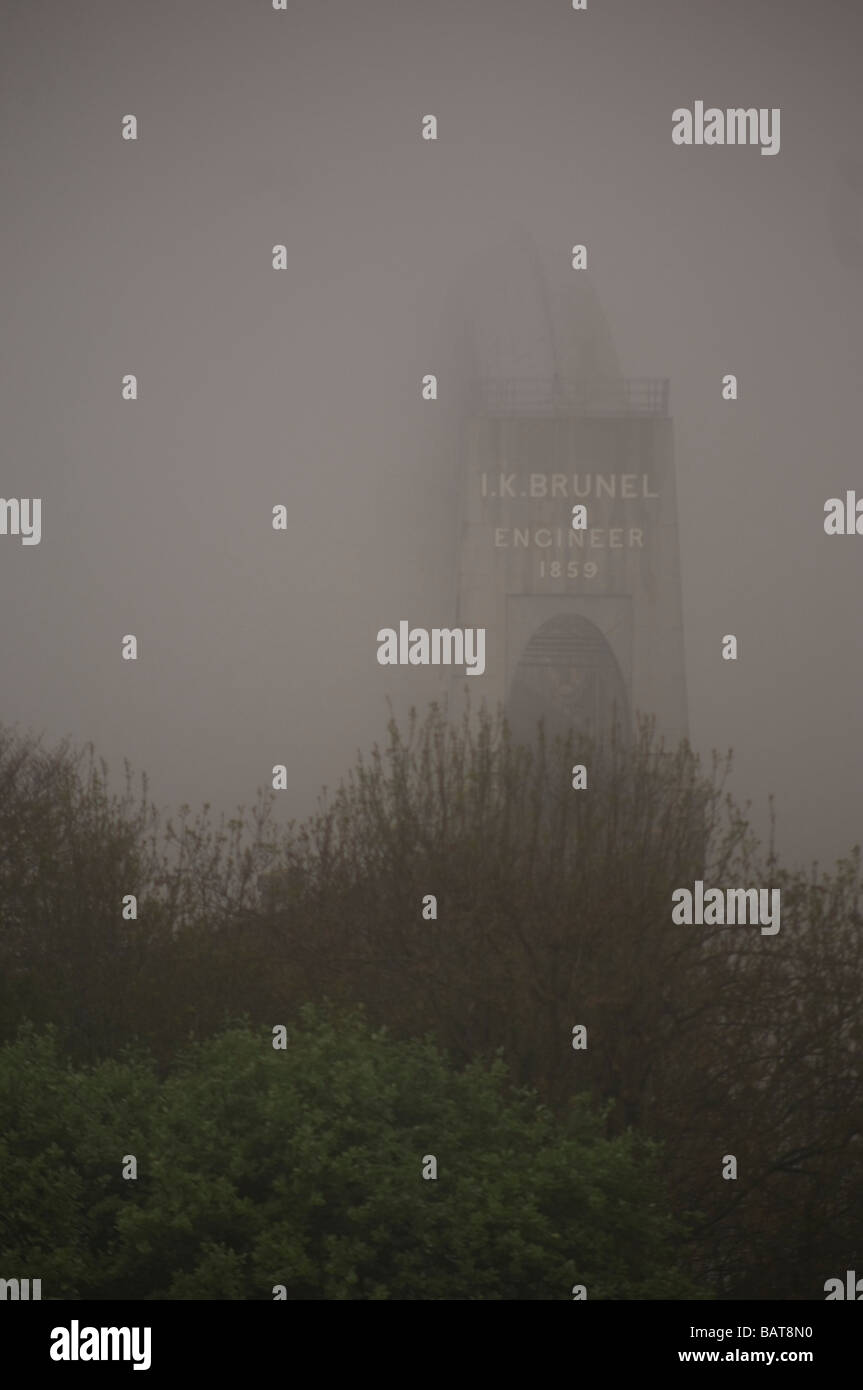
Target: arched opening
568	676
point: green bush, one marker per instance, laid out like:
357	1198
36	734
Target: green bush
303	1167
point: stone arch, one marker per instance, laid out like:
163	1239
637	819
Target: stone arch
569	676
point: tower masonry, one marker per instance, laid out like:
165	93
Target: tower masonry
583	626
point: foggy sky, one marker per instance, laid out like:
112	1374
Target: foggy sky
302	387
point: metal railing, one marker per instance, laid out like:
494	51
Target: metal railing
554	396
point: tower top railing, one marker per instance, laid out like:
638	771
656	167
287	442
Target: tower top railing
554	396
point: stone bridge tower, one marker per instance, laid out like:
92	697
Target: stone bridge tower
583	627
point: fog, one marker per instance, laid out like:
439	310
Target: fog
302	387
